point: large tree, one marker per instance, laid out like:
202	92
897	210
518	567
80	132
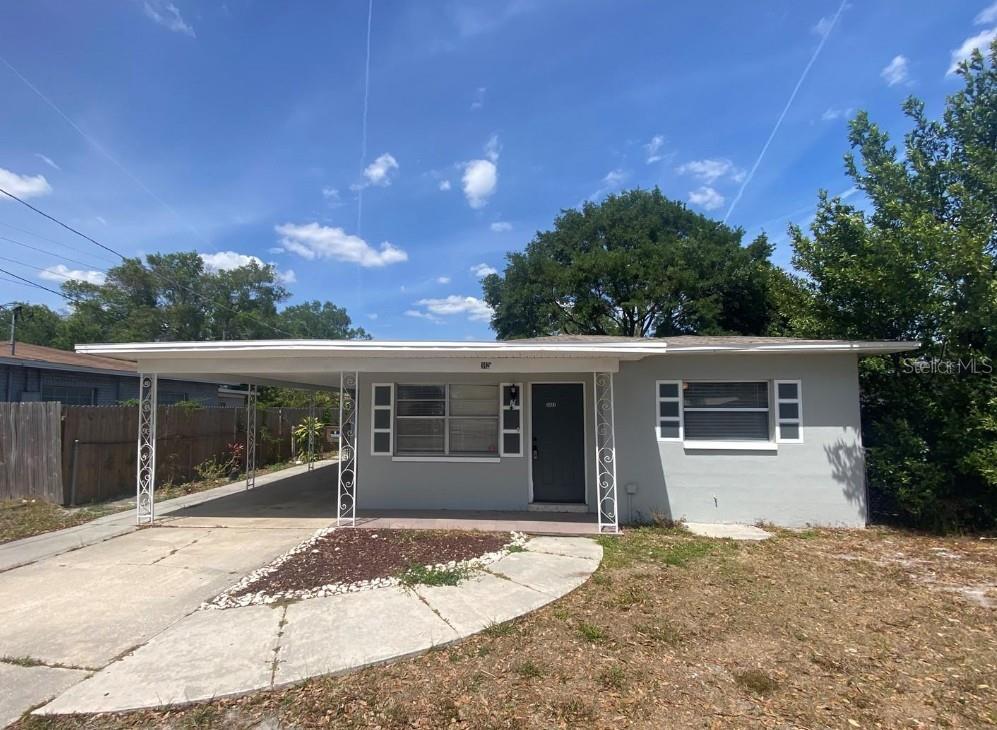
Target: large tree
36	323
637	264
919	265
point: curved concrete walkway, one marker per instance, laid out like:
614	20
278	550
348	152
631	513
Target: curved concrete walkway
214	653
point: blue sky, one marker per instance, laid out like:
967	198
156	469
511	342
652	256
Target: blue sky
236	129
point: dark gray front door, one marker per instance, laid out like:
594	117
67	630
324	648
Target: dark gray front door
558	443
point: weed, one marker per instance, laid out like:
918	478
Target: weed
515	547
591	632
664	633
613	678
495	630
202	716
602	578
422	575
630	596
562	614
21	661
529	669
756	680
573	710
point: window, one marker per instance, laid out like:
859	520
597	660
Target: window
669	410
380	418
789	411
725	411
512	419
70	395
441	420
170	397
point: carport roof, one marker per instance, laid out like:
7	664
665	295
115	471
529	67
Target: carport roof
317	363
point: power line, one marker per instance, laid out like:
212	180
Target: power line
152	271
21	279
49	253
53	241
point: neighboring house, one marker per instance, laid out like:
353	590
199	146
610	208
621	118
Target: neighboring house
707	429
37	373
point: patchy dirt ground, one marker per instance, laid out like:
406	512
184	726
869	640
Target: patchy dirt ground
817	629
348	556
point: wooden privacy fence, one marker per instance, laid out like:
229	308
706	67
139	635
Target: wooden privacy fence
29	451
79	454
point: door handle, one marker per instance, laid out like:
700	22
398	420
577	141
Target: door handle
535	451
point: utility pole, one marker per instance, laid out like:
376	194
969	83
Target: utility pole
14	312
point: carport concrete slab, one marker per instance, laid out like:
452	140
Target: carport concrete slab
482	601
86	607
555	575
571	547
26	687
339	633
206	655
731	531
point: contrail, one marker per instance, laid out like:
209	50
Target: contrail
100	148
785	110
363	119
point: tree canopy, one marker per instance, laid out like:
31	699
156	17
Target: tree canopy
173	297
635	264
919	264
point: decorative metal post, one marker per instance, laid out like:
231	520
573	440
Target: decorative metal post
605	453
251	437
311	433
346	506
145	477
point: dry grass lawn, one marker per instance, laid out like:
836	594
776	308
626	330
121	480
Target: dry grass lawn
816	629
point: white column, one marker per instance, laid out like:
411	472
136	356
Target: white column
346	505
311	433
145	475
251	437
605	453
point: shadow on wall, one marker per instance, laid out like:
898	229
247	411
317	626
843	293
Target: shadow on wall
652	485
847	460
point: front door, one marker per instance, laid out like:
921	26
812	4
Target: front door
558	446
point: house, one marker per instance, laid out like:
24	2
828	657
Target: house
37	373
707	429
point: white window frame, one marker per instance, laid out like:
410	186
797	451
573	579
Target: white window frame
390	430
798	422
446	417
658	400
502	409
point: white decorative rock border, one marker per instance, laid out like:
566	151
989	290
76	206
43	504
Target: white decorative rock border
228	600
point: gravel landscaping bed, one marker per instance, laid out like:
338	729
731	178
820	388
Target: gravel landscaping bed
347	560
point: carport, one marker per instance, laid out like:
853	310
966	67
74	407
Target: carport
366	375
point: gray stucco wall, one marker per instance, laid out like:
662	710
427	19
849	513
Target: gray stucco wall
817	482
386	483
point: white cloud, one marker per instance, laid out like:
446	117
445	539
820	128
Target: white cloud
706	197
479	98
101	219
475	309
61	273
422	315
47	160
833	113
501	226
228	260
23	186
896	71
168	15
610	183
711	170
442	279
372	315
823	26
987	16
379	171
444	185
480	180
276	249
312	241
483	270
981	41
653	148
332	197
492	148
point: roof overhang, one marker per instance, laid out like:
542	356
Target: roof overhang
317	363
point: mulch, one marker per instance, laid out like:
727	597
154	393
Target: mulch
350	556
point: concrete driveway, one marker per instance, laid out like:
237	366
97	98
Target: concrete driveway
64	616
